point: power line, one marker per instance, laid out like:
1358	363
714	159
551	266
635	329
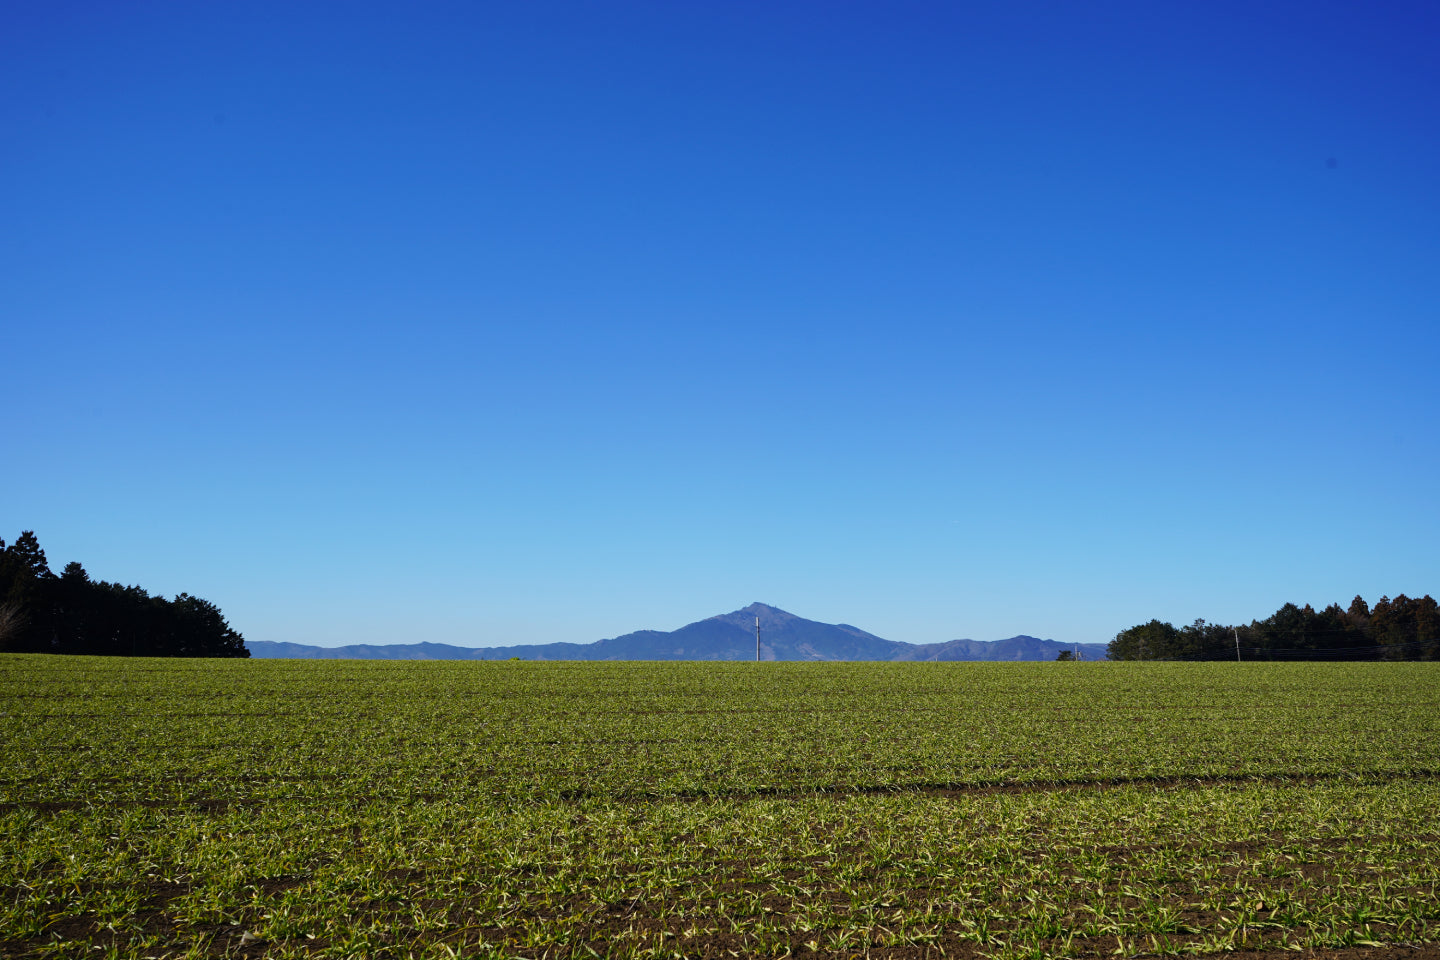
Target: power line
1313	653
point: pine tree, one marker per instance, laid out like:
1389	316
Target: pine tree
43	613
28	558
23	576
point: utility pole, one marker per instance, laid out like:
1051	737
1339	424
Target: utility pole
757	639
1237	643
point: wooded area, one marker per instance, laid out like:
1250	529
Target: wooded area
1398	629
41	612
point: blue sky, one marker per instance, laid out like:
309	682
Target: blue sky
519	322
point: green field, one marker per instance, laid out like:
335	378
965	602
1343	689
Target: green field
155	808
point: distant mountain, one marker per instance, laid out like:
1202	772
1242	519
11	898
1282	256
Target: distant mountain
269	650
1015	648
729	636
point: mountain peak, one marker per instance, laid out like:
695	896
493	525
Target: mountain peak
729	636
770	617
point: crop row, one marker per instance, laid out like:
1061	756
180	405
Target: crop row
152	808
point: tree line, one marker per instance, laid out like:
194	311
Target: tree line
41	612
1398	629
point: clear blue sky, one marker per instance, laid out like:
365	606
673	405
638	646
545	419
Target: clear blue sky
492	323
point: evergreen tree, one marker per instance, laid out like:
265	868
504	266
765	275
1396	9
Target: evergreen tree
24	574
1205	641
1406	629
71	613
1399	629
1147	641
1301	633
202	630
12	611
25	552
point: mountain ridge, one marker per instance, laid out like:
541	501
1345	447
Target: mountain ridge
726	636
